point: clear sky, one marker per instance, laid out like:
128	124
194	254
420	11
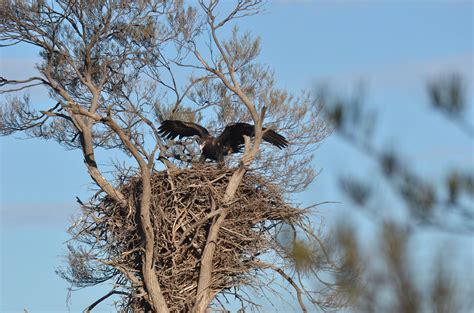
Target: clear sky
393	46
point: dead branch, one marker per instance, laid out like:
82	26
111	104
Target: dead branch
110	293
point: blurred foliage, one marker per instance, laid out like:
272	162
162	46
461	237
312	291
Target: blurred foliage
303	255
448	95
389	282
359	191
379	273
447	207
351	267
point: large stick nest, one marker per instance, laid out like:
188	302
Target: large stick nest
184	206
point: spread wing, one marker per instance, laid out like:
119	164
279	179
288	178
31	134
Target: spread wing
233	136
171	129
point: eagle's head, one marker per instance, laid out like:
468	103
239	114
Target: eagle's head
200	142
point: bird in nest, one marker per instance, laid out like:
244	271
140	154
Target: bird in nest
231	140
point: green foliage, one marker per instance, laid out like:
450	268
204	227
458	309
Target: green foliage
447	94
389	280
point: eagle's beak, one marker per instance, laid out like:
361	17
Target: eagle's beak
200	143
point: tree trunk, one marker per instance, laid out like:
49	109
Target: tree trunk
158	302
205	295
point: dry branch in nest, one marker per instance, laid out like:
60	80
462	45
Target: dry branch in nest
184	206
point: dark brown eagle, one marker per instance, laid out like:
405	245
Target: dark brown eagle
231	140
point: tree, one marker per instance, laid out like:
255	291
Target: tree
441	207
115	69
383	278
386	278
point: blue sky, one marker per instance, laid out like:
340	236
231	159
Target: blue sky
393	46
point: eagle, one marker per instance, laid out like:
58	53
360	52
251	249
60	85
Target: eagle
229	141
